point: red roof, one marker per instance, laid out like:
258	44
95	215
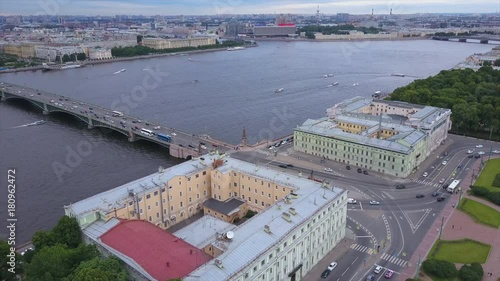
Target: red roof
158	252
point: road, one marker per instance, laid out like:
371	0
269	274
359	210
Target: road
400	221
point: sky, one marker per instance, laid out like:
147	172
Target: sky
212	7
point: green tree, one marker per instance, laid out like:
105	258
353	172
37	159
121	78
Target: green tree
67	232
473	272
101	269
139	39
5	265
42	239
81	56
486	63
497	62
439	268
66	58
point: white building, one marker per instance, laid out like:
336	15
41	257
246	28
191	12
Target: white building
51	52
99	54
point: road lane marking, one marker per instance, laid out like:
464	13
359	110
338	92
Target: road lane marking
355	260
345	271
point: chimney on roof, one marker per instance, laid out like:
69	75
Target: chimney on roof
190	252
168	264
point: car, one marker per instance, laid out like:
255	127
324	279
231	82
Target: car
400	186
470	156
374	202
435	193
377	269
174	134
203	147
420	196
90	108
496	151
328	170
370	277
481	153
388	274
156	128
444	162
365	172
351	201
445	153
325	273
271	147
441	198
348	167
282	166
332	266
469	151
359	170
32	95
190	146
479	146
290	165
147	124
27	250
441	181
425	174
477	156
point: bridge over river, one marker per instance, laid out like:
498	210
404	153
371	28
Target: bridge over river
182	144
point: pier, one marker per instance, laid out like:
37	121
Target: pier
181	145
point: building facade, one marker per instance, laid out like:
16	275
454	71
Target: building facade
20	50
99	54
159	43
274	31
387	137
297	222
52	52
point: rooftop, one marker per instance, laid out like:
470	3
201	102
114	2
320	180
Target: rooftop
201	232
227	208
160	253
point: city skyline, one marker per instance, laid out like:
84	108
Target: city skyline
206	7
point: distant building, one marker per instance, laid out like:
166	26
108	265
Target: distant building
52	52
342	17
388	137
23	50
159	43
298	221
99	54
274	31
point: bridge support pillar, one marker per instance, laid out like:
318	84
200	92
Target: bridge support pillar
131	136
90	126
484	41
45	112
3	98
462	40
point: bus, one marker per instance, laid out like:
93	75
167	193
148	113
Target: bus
453	185
117	113
163	137
147	132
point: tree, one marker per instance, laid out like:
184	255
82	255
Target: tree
473	272
5	274
81	56
486	63
66	58
439	268
73	57
497	63
42	239
139	39
102	269
67	232
310	35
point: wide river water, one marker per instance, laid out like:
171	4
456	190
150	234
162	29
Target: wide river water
215	93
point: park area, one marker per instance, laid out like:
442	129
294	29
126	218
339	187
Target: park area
480	213
490	176
464	251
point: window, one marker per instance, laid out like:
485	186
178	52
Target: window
172	208
197	176
131	203
204	172
189	178
256	201
180	193
235	184
156	204
156	193
140	211
181	204
163	189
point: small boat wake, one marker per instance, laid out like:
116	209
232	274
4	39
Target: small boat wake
119	71
39	122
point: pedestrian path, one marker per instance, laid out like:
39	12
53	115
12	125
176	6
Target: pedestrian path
362	248
394	260
424	182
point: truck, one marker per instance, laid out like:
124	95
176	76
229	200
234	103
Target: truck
164	137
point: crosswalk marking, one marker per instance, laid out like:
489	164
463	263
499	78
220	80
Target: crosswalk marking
426	183
394	260
362	248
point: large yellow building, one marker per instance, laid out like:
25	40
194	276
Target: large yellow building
298	221
20	50
160	43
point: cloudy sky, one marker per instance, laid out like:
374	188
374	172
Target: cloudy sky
210	7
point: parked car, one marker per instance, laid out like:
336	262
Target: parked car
328	170
388	274
370	277
290	165
348	167
479	146
282	166
377	269
365	172
374	202
359	170
420	196
400	186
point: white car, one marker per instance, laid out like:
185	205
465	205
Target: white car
425	174
479	146
203	147
374	202
332	266
174	134
444	162
481	153
469	151
496	151
377	269
328	170
441	181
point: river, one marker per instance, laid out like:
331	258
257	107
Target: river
218	93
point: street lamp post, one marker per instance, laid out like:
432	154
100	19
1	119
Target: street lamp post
441	230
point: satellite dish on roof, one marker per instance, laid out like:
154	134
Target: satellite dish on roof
230	235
